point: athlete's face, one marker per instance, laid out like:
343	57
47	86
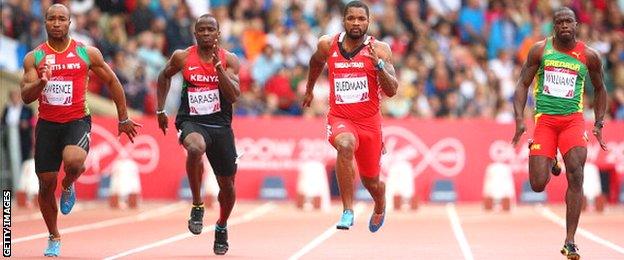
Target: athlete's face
57	22
206	32
355	22
564	26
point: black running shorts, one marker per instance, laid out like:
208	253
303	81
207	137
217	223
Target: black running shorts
220	148
51	138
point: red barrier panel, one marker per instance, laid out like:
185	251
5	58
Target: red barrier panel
459	150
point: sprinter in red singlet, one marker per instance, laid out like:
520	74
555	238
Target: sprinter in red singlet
55	74
360	72
204	119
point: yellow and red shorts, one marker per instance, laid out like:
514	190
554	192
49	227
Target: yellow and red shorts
558	131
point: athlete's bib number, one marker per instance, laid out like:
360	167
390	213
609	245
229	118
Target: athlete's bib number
58	93
559	82
203	101
351	88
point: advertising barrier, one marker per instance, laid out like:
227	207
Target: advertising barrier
458	150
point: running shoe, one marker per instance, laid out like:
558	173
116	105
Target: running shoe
376	221
196	222
54	247
346	220
220	244
570	250
68	199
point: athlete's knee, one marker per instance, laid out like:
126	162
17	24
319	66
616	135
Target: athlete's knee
345	146
47	184
538	185
195	149
575	179
74	165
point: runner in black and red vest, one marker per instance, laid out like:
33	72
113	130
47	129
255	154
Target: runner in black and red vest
359	71
204	119
56	74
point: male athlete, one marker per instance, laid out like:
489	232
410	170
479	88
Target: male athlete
55	74
359	71
561	64
204	119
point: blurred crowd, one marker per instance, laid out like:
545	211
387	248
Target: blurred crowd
454	58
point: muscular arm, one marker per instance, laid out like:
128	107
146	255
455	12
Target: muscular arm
106	74
228	79
31	84
387	76
317	61
596	73
173	66
529	69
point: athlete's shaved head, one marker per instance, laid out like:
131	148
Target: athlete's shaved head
564	24
207	18
57	21
58	8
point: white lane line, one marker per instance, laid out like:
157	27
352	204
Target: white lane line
108	223
37	215
547	213
359	207
459	232
255	213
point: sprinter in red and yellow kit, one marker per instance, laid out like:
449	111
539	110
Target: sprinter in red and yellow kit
359	71
56	74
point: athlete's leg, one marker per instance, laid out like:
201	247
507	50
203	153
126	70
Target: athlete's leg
195	148
73	163
345	146
47	201
377	190
539	171
227	198
574	162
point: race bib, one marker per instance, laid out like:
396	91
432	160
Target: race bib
58	93
559	82
203	101
351	88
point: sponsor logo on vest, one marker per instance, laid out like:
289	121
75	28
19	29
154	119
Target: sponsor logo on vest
346	65
68	66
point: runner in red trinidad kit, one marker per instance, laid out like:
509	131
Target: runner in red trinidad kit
55	73
204	119
359	71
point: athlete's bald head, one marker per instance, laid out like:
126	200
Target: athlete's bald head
58	8
564	24
207	18
57	20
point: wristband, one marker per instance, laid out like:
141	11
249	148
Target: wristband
124	121
380	64
161	112
599	124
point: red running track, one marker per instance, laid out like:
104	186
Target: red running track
277	230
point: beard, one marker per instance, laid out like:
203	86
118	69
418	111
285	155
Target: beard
565	38
356	35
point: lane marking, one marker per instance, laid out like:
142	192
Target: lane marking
357	210
108	223
550	215
459	232
255	213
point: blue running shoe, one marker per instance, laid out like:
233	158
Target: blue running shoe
376	221
54	248
68	199
346	220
